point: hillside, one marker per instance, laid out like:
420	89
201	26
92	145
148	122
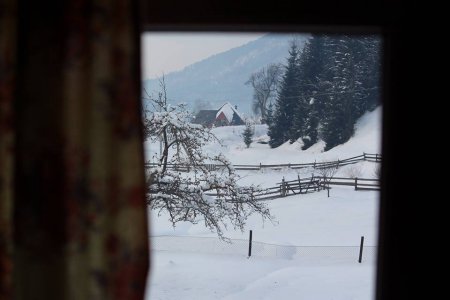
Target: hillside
213	81
189	261
367	138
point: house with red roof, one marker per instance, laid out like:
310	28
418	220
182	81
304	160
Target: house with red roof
226	115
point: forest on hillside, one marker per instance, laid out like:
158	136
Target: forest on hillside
321	91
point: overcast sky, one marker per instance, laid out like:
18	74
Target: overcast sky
167	52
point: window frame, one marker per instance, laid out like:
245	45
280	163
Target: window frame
335	17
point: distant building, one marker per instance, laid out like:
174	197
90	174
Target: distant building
205	118
227	115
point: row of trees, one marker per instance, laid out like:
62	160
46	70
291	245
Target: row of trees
325	88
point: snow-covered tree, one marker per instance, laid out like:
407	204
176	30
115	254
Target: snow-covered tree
325	89
199	195
307	112
282	119
248	134
352	74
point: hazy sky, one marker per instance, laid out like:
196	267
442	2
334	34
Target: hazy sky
167	52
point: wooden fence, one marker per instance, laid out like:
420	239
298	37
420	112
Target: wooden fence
314	165
301	186
312	184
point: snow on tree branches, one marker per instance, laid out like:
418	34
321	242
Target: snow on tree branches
208	192
248	134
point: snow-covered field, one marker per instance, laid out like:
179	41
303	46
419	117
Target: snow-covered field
206	268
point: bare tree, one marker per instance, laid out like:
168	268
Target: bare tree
199	195
327	169
264	83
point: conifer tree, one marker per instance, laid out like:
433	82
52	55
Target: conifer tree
248	135
350	70
308	109
367	58
325	89
338	120
279	131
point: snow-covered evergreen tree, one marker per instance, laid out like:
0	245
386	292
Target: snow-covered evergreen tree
337	122
248	134
351	79
325	89
308	109
367	57
279	130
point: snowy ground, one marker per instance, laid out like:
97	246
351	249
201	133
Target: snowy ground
189	269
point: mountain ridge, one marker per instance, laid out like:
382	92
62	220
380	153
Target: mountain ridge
220	78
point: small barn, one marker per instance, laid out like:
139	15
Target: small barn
226	115
205	118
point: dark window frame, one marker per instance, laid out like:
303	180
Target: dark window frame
384	17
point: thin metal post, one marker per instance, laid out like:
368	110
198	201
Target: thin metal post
250	245
361	249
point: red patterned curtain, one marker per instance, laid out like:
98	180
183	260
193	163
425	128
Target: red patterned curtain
72	188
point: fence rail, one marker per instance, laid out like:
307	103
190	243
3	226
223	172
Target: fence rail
211	245
317	183
316	165
303	185
312	184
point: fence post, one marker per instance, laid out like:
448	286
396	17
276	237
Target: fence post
328	186
283	191
376	157
356	183
314	164
260	166
250	245
361	249
364	155
299	184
